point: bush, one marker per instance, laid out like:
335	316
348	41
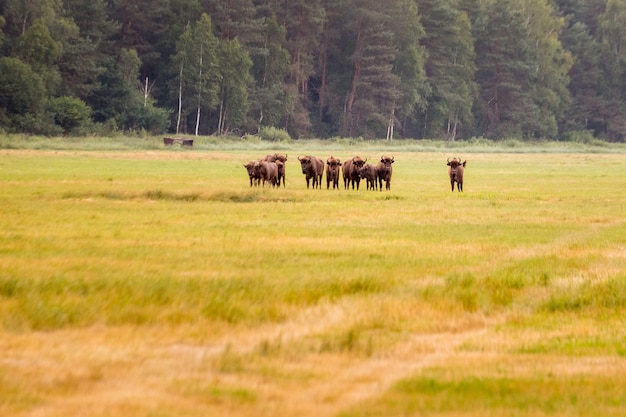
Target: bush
579	136
69	113
272	134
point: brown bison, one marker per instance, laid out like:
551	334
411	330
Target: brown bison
350	170
253	172
384	171
268	172
368	173
275	157
313	169
455	171
333	165
281	170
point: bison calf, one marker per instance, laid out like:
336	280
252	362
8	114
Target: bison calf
455	171
368	173
332	172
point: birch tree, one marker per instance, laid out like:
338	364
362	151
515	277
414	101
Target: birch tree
235	77
198	72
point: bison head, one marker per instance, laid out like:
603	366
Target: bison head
455	162
387	161
333	161
365	171
251	167
305	162
358	162
456	168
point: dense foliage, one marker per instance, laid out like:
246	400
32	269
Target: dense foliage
316	68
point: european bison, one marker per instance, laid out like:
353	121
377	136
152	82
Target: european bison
268	172
368	173
351	169
384	171
281	170
312	168
253	172
455	171
281	173
332	172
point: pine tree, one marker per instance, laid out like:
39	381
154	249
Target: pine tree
235	76
450	68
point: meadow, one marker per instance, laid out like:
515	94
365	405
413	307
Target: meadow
156	282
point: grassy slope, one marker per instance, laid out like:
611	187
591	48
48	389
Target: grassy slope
157	283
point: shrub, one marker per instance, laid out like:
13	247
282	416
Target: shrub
273	134
69	113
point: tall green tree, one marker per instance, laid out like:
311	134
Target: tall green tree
613	35
198	72
552	65
303	20
374	88
409	63
235	19
235	77
588	109
450	68
2	23
85	33
151	28
37	48
506	74
22	96
270	68
20	14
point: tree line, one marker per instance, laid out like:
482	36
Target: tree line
449	69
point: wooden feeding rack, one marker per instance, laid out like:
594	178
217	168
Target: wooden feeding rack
178	141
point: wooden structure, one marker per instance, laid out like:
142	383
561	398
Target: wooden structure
178	141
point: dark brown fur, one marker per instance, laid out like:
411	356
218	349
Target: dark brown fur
368	173
350	170
253	173
456	168
333	165
384	171
313	169
278	158
268	172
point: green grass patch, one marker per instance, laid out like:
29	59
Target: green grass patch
436	392
176	241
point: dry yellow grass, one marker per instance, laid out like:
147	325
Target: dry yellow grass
158	284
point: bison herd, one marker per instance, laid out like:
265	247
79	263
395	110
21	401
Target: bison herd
271	169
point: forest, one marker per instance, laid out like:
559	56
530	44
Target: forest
446	69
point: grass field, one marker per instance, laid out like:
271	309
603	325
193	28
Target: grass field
157	283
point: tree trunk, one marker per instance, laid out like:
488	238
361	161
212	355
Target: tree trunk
355	83
391	125
199	93
220	120
180	98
